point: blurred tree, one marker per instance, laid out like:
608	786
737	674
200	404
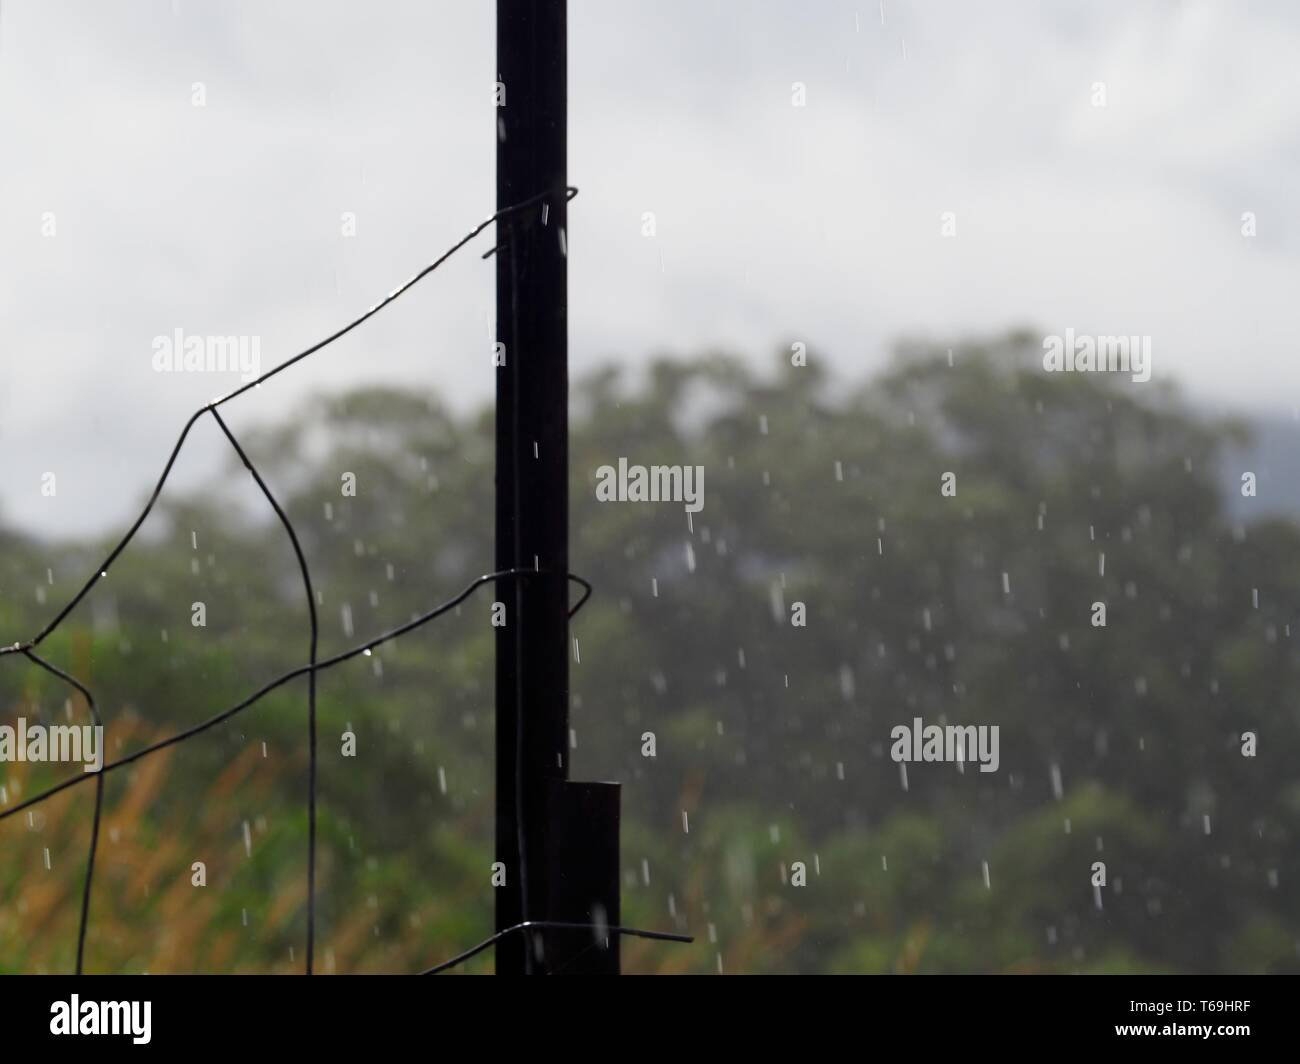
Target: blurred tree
1119	744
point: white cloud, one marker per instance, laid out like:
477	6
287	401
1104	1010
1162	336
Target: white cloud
774	222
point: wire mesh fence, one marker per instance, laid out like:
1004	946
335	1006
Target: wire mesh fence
313	665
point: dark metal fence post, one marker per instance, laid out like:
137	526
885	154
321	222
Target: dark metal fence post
554	837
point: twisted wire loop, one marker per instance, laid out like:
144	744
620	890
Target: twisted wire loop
27	648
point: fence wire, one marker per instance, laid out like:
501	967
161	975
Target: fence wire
28	648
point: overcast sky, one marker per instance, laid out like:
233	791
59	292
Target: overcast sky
773	222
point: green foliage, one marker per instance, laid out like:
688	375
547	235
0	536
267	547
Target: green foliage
772	741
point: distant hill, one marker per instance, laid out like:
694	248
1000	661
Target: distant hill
1274	457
